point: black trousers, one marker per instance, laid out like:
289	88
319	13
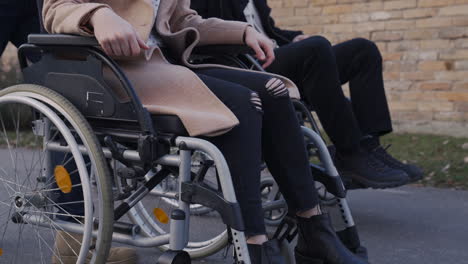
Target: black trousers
319	69
18	19
272	130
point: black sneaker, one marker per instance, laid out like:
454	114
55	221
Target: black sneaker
368	171
372	145
413	171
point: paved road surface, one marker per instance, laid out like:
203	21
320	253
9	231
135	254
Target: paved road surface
409	225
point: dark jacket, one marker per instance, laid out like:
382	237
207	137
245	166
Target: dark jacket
234	10
10	8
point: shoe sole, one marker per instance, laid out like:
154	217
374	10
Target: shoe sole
301	259
415	179
375	185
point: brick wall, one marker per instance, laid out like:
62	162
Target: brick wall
425	48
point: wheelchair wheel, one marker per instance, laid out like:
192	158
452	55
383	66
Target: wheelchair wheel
326	198
270	193
49	188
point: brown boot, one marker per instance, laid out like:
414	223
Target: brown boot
67	248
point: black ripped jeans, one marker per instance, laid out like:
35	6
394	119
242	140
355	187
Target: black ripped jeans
272	130
319	69
268	126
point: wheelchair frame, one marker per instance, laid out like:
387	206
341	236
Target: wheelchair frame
225	203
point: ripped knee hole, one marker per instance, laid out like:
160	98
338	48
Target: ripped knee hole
256	101
276	88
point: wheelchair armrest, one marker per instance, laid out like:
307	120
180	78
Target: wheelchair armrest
61	40
222	50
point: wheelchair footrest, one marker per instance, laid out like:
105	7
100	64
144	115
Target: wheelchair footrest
334	185
197	193
287	229
301	259
174	257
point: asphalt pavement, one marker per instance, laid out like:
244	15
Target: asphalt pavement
408	225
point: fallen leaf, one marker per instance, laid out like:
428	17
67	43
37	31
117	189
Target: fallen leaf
446	168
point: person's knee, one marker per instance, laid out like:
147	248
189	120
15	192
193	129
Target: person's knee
256	102
320	41
317	49
316	44
247	103
369	48
276	88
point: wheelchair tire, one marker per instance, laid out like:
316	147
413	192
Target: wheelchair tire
78	138
270	193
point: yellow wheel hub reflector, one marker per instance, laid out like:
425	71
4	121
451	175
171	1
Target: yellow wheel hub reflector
62	177
161	215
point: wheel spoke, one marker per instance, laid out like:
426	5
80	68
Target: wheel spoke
61	208
7	140
27	183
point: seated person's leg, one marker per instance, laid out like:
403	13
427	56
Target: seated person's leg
311	64
267	119
287	157
70	204
241	149
359	61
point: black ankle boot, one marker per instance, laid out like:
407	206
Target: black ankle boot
267	253
318	243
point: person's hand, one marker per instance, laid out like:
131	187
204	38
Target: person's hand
115	35
262	46
300	37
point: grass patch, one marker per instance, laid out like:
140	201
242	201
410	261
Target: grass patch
441	157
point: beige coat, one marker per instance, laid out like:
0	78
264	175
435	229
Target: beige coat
163	88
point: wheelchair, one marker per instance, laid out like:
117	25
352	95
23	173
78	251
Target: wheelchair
139	179
78	114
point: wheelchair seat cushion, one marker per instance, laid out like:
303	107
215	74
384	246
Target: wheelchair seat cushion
169	124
